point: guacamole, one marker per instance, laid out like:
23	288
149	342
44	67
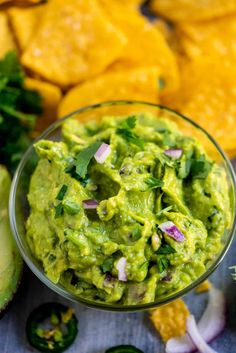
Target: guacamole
125	210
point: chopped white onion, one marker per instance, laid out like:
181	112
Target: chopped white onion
210	325
172	230
90	204
102	153
196	337
174	153
121	265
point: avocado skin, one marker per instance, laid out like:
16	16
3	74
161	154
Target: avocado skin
11	263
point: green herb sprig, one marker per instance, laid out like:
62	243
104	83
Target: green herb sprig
18	110
126	131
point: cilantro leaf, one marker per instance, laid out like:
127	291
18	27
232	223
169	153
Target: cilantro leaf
126	131
129	123
154	183
107	264
200	167
84	157
58	210
162	264
196	168
165	249
18	109
62	192
71	208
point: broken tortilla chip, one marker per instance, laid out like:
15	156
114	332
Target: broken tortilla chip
7	42
170	319
208	96
216	38
75	41
146	47
51	96
137	84
192	10
24	22
203	287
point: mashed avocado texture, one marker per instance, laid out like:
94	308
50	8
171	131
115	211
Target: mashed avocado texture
98	228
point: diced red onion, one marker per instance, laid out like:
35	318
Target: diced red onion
172	230
90	204
102	153
194	334
174	153
210	325
121	264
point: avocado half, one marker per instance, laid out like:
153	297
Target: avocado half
11	263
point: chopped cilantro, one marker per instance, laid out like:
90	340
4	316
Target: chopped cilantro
107	264
196	168
162	264
84	157
58	210
71	207
136	234
126	131
18	109
62	192
200	167
154	183
165	249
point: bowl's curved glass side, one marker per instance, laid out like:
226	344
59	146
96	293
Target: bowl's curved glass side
19	205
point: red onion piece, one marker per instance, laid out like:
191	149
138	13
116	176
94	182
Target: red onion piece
172	230
90	204
210	325
174	153
102	153
194	334
121	264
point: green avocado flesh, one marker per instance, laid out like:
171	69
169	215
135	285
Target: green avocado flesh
138	187
11	263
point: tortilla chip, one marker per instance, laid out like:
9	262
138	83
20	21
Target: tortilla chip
170	319
137	84
192	10
216	38
7	42
51	96
203	287
75	41
24	22
127	3
146	46
208	96
20	2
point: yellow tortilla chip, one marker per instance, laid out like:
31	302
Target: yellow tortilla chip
24	22
137	84
75	41
203	287
146	46
192	10
216	38
7	42
51	96
127	3
208	96
170	319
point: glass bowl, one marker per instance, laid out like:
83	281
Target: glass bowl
19	208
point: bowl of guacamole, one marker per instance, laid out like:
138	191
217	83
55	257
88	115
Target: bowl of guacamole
123	206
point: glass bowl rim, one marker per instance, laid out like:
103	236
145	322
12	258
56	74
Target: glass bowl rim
110	306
